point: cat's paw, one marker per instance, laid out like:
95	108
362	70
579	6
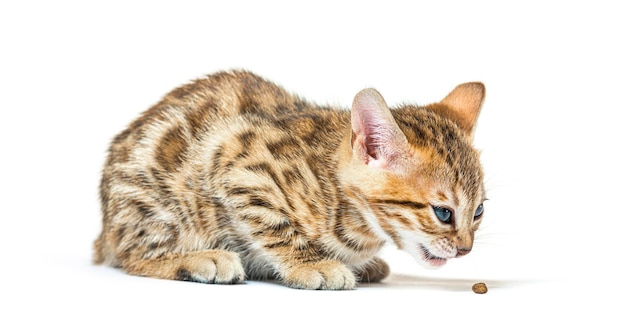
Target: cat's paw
374	271
326	274
212	267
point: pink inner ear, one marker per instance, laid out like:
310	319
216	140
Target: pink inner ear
376	130
373	133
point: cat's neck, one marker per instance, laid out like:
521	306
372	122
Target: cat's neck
344	152
351	235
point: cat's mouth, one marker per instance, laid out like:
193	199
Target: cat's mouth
431	259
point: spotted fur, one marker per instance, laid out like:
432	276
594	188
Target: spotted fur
230	177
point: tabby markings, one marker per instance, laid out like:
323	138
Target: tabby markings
265	168
405	203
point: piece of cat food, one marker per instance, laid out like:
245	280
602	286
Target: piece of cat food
479	288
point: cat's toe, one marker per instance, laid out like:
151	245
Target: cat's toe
229	269
332	275
212	267
202	274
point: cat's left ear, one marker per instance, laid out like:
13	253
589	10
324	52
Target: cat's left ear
463	104
376	138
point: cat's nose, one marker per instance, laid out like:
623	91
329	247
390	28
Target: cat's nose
462	251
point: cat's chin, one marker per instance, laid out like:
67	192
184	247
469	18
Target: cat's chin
429	260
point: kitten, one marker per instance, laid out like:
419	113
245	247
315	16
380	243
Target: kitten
231	177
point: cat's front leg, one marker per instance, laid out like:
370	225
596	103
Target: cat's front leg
374	271
324	274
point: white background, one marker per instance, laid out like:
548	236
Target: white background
73	74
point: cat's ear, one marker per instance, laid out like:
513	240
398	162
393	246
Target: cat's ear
463	105
376	138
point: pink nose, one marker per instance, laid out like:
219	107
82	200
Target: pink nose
462	251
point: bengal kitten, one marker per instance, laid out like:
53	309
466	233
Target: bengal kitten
231	177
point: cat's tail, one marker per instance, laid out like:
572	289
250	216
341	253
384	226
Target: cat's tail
98	250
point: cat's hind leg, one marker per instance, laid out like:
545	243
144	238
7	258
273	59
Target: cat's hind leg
145	238
209	266
158	249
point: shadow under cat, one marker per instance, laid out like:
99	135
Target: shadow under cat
406	281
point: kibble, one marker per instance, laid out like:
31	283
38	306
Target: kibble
479	288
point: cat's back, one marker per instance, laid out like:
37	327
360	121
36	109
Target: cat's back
215	97
201	108
230	111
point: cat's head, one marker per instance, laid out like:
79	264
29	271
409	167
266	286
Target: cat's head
416	174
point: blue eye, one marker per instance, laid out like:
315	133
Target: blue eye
443	214
479	211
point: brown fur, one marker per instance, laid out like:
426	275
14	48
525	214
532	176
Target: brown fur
231	177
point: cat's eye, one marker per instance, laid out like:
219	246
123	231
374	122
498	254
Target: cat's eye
443	214
479	212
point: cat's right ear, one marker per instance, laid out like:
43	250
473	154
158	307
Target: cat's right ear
376	138
463	105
